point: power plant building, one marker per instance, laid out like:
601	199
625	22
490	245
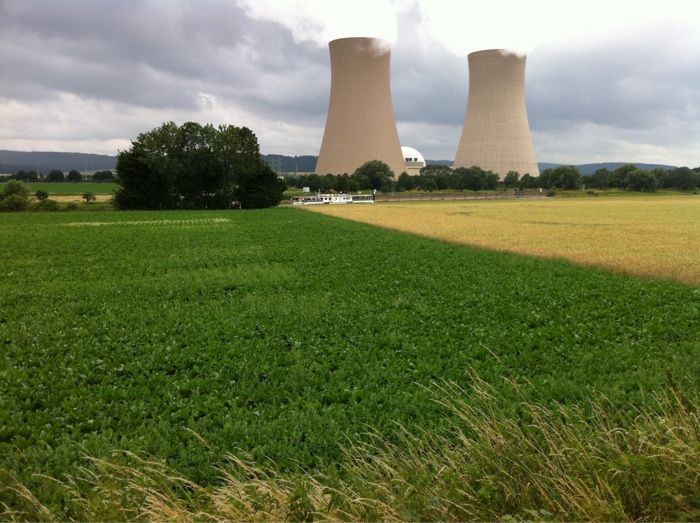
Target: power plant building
496	134
360	125
413	161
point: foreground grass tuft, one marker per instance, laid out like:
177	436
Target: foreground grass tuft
491	464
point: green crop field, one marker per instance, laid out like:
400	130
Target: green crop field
285	333
78	188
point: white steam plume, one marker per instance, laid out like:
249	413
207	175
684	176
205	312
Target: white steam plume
320	21
520	26
466	26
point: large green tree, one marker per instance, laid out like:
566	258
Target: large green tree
640	180
56	176
103	176
74	176
599	179
195	167
511	179
374	174
27	176
562	177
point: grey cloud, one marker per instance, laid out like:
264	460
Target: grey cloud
635	82
156	54
429	83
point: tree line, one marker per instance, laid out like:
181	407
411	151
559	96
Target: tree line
376	175
634	179
439	177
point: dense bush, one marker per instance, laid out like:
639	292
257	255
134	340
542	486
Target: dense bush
41	195
47	205
13	203
14	196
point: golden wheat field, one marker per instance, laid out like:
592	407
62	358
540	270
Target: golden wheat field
646	236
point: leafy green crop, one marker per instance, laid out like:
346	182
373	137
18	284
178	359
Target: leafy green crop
282	333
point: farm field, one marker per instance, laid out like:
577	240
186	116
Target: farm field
285	334
657	237
72	188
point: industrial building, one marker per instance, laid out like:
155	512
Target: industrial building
413	161
496	133
360	125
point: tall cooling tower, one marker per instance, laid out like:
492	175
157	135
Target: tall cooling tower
496	135
361	125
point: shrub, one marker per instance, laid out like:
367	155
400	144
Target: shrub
14	196
14	203
47	206
89	197
15	187
41	195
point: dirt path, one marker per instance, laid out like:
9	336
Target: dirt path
65	198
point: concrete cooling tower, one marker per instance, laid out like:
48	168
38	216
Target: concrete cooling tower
496	135
360	125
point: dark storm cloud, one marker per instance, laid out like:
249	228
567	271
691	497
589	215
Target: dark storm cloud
157	54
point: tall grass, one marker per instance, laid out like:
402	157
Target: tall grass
500	460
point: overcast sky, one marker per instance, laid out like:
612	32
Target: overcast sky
606	80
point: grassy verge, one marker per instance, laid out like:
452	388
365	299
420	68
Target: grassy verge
619	193
543	464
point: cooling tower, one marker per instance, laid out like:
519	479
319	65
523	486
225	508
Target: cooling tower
496	135
360	125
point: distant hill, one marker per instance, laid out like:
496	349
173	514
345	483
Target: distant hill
290	164
13	161
307	164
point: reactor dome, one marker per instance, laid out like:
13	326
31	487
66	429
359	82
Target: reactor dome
412	157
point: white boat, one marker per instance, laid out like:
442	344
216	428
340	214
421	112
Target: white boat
334	199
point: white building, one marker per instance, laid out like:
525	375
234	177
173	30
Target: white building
413	160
